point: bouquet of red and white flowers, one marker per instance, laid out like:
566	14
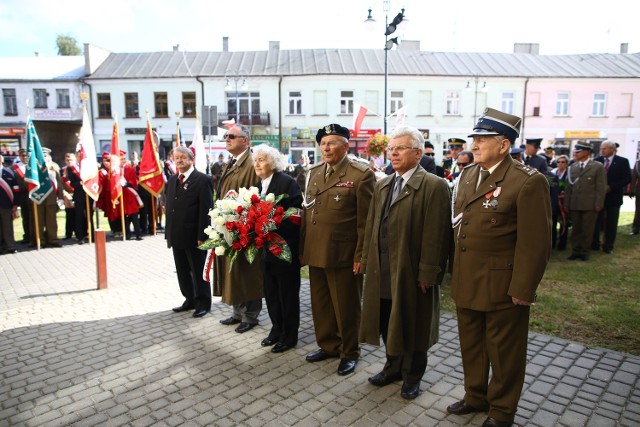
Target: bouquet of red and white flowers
243	222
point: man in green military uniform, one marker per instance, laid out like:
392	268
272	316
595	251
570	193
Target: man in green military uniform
336	203
455	145
502	225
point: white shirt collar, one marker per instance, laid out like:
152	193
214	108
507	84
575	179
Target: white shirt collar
187	173
265	185
408	174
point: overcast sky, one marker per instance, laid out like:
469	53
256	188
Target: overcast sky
559	26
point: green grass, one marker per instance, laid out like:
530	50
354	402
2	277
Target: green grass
596	303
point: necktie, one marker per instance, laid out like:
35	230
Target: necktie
483	175
328	173
181	178
396	189
607	163
581	165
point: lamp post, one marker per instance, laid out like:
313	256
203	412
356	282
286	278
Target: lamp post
476	81
235	78
388	44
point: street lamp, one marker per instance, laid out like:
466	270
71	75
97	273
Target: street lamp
483	88
388	43
235	78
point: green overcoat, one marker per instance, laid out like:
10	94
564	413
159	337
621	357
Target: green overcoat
419	227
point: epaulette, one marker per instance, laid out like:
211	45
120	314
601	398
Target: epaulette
360	166
316	166
526	169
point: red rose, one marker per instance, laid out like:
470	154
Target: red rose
230	225
244	241
255	199
236	246
239	209
275	250
279	210
259	242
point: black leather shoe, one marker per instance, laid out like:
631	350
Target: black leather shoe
268	342
346	366
182	308
244	327
279	347
573	257
230	321
200	312
319	355
410	391
584	258
381	380
461	408
492	422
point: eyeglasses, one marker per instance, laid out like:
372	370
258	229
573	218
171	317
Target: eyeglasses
463	165
399	148
232	137
430	154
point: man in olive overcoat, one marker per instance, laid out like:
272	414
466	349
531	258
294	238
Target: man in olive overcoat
404	257
336	204
502	220
242	286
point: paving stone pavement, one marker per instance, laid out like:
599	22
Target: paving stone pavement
73	355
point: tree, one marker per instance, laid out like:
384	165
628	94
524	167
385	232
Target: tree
67	45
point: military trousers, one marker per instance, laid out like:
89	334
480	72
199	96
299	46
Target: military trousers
582	228
335	306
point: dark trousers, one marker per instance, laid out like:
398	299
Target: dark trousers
497	339
82	221
133	218
636	217
559	231
412	366
26	209
335	306
69	222
282	295
189	265
608	222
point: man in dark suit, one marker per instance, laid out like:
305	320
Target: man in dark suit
531	156
634	191
404	257
502	219
584	198
335	211
618	178
189	200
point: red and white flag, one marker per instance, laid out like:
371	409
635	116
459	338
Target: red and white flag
88	162
229	123
358	117
151	177
115	174
401	116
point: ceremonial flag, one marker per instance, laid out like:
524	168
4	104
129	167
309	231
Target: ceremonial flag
229	123
151	177
198	147
358	117
401	116
88	166
179	139
115	175
36	173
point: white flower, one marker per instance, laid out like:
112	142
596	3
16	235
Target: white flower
219	221
214	212
219	250
211	232
270	197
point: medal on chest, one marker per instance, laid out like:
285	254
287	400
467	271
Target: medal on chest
491	198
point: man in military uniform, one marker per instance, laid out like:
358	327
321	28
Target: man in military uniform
531	156
584	198
502	225
336	204
242	286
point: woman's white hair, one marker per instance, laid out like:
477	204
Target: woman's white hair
275	159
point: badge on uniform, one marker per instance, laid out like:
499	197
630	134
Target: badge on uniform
348	184
492	198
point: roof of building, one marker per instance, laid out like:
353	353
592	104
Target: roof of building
42	68
276	62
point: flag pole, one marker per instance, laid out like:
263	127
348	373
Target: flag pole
153	213
178	142
37	227
88	218
124	233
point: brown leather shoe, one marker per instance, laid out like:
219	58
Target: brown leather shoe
492	422
461	408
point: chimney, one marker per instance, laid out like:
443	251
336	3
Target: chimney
274	45
176	48
532	48
624	47
225	44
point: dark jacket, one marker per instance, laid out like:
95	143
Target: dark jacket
618	178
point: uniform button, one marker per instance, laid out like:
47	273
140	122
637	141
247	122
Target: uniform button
315	212
314	223
466	222
463	249
318	203
493	221
464	236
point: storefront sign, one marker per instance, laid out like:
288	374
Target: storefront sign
11	131
582	134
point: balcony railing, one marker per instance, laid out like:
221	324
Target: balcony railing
249	119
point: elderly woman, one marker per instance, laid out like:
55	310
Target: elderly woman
281	278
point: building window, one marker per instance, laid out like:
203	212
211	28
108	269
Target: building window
161	104
396	101
10	102
346	102
295	102
599	101
507	102
562	104
131	109
104	105
62	98
320	102
452	107
189	104
39	98
424	102
245	106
